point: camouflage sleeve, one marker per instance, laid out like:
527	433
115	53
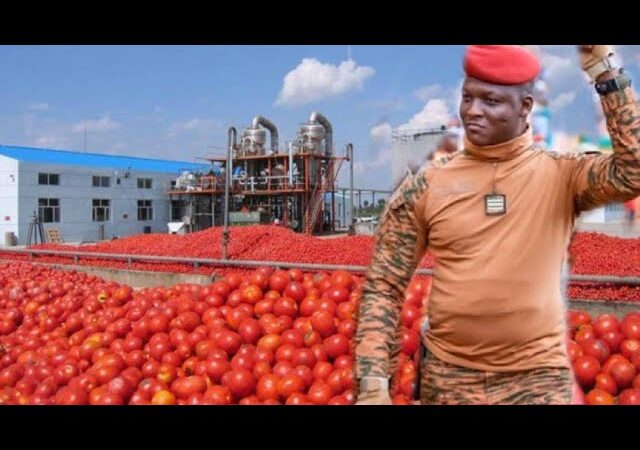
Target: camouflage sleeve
400	244
595	181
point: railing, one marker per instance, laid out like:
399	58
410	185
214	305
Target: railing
196	262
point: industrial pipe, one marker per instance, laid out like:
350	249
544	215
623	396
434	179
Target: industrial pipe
273	130
232	140
328	136
350	156
291	185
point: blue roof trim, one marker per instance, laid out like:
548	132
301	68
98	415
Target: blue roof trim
43	155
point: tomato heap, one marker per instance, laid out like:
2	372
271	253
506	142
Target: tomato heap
592	253
273	337
267	337
605	354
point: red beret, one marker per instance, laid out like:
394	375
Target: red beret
501	64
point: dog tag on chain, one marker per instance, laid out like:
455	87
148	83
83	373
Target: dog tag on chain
495	204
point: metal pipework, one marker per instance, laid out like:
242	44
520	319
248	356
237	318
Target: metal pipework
273	130
232	141
350	156
291	165
328	138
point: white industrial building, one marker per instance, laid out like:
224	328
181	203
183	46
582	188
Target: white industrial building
86	196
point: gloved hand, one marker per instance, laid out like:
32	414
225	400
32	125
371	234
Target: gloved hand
590	55
374	391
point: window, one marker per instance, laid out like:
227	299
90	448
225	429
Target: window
145	210
145	183
48	178
101	209
100	181
49	209
176	211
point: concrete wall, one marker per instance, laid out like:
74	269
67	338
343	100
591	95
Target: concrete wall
8	196
76	193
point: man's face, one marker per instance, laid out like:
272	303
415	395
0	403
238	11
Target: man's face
492	114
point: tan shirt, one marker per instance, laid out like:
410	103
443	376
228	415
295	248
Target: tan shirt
495	303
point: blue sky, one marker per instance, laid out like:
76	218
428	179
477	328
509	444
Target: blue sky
176	102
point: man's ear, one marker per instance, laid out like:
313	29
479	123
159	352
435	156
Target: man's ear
527	106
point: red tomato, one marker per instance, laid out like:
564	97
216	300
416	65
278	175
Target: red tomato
269	342
264	306
184	388
622	372
252	294
410	341
278	281
574	351
586	368
605	382
630	348
216	368
319	393
295	291
229	342
289	385
578	318
613	340
599	397
303	357
285	306
584	332
293	337
597	349
241	383
322	370
285	352
217	395
605	323
163	397
629	397
267	387
323	323
342	278
631	327
71	396
312	338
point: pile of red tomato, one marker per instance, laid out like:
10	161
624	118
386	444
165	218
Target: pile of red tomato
605	354
271	337
266	337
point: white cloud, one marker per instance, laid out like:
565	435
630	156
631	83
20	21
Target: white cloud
39	106
194	125
314	81
102	125
428	92
562	100
381	133
434	114
558	67
383	158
